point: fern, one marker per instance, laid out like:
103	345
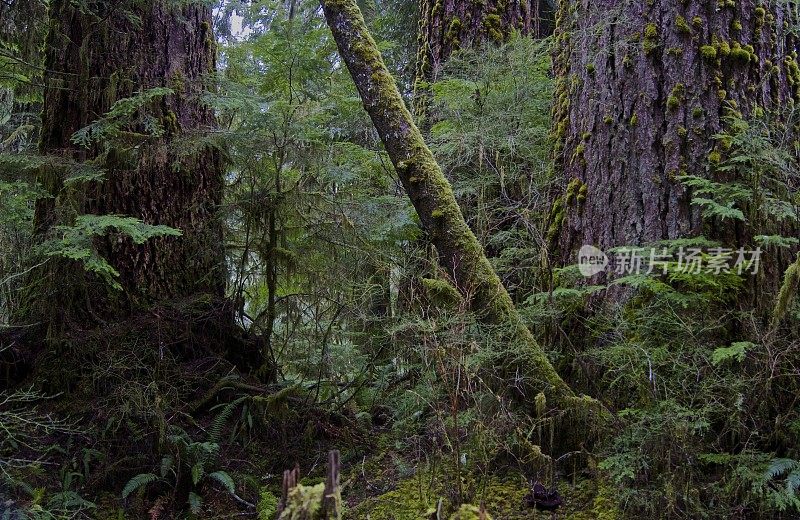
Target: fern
776	241
195	502
197	473
223	478
167	463
139	481
717	199
220	421
712	208
737	351
782	497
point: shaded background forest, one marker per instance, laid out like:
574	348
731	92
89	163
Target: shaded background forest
208	276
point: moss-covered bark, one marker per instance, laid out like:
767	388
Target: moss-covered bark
112	50
448	25
642	89
159	168
460	253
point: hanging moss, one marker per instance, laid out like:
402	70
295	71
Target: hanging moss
760	15
170	123
627	62
493	25
573	189
453	31
583	192
723	48
557	213
743	54
788	291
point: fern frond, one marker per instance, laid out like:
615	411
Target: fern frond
217	426
111	124
223	478
778	467
195	502
139	481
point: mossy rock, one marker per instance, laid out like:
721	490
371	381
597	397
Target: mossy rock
589	499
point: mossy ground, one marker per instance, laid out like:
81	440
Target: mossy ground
387	487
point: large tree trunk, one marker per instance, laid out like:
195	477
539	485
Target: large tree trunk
159	168
96	58
447	25
458	250
643	87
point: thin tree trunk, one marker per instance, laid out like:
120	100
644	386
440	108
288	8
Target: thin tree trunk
460	253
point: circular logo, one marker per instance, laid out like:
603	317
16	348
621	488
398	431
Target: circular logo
591	261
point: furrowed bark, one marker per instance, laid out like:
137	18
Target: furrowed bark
448	25
93	59
97	58
642	89
96	55
460	253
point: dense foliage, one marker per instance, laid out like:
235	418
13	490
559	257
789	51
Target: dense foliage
363	344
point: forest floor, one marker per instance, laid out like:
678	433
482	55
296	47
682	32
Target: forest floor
84	466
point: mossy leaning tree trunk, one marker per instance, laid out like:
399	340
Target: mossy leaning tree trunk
113	51
643	87
458	250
